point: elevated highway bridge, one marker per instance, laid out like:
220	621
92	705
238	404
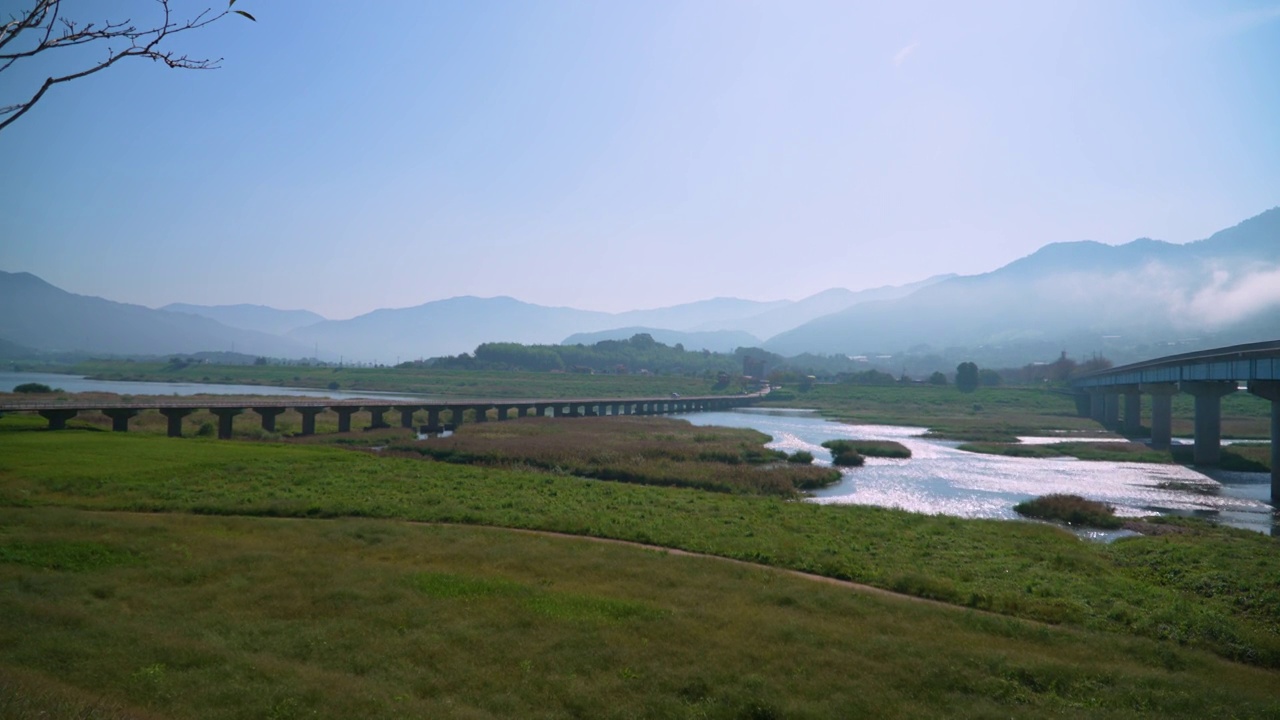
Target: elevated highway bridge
1208	376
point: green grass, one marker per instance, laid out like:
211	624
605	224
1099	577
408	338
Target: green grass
271	618
1244	458
870	448
1071	509
1018	569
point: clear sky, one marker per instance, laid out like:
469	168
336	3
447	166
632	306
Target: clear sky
615	155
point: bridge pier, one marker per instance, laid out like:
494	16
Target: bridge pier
225	416
1132	411
58	418
344	418
375	417
175	416
502	411
268	415
1111	410
120	418
1208	421
1270	390
482	413
406	414
309	418
523	411
1161	413
456	415
1097	406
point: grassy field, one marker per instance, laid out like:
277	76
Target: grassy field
1001	414
1253	457
143	576
117	615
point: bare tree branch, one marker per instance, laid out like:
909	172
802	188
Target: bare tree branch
55	32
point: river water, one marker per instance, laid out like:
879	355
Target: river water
939	479
79	383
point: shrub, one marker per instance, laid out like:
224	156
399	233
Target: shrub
801	457
33	387
1071	509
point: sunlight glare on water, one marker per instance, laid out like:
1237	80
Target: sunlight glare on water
939	479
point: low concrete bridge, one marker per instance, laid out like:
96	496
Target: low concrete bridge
175	409
1208	376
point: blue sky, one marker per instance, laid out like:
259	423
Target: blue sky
618	155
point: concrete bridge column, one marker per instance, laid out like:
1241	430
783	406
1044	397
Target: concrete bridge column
406	414
175	416
433	417
120	418
1208	395
375	417
456	415
309	418
1161	413
344	418
1270	390
268	416
1132	410
225	416
1111	410
58	418
1097	406
1084	403
522	411
482	413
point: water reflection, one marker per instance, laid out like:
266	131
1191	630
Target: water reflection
941	479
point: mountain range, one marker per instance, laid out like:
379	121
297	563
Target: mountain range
1080	296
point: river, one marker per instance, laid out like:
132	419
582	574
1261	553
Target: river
939	479
79	383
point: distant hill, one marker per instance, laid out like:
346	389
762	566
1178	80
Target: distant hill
43	317
1225	288
794	314
259	318
458	325
715	314
445	327
725	341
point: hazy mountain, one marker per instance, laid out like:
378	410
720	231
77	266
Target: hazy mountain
251	317
1226	287
41	316
794	314
725	341
446	327
714	314
14	351
458	325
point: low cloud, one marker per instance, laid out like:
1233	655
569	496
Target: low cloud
1230	298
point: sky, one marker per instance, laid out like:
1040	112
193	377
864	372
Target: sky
622	155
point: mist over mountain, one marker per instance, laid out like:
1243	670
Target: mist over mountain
722	341
259	318
1223	289
43	317
790	315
